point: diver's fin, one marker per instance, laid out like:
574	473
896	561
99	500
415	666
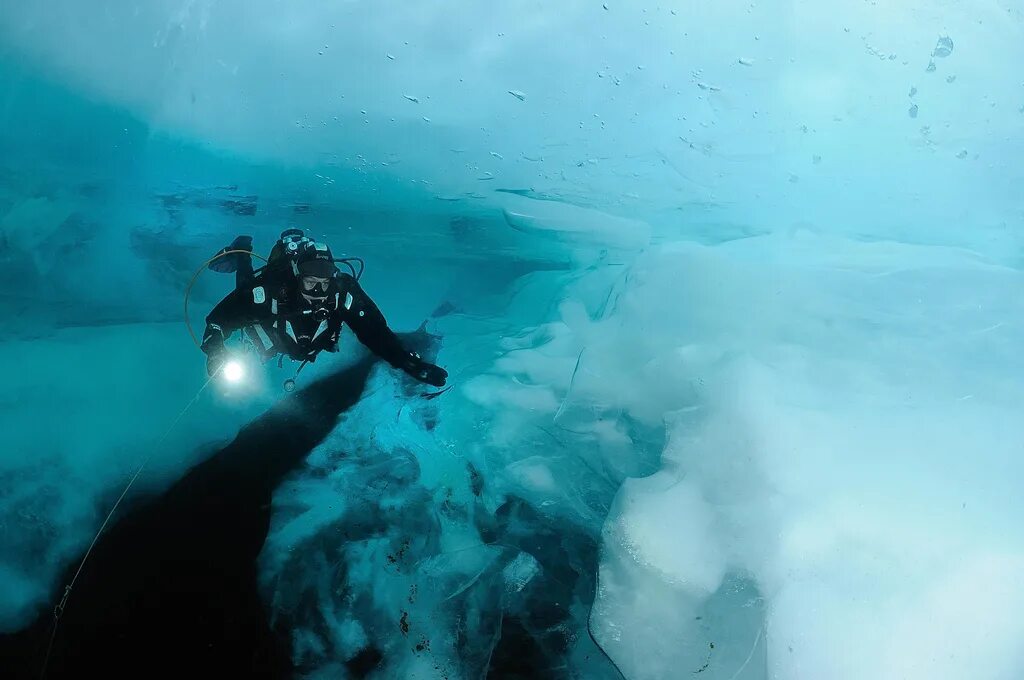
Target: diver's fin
226	264
435	395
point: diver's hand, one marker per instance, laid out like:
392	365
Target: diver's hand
213	348
425	371
431	374
215	361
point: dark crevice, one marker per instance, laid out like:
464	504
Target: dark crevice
171	586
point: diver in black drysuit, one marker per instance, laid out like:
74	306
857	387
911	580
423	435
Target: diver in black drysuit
297	305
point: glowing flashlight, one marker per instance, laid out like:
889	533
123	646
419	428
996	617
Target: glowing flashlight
233	371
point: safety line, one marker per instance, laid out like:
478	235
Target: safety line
59	609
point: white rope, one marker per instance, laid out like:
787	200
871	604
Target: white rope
749	656
59	609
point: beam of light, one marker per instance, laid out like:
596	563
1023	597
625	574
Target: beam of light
233	371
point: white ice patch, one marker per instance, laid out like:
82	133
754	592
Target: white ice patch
520	571
573	224
841	451
534	475
666	526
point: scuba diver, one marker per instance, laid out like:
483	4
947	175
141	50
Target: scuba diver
296	306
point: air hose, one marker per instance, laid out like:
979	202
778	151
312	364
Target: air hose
347	261
188	289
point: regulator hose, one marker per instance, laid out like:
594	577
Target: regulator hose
188	288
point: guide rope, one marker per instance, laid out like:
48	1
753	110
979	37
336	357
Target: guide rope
58	611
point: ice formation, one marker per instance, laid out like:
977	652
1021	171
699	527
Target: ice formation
734	340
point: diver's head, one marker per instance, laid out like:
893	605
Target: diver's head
316	270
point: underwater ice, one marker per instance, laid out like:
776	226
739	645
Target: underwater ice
735	341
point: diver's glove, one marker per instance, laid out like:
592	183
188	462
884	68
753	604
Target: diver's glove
215	360
213	346
425	371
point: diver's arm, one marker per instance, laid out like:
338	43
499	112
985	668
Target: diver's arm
230	314
368	323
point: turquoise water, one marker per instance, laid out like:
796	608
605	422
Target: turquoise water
728	296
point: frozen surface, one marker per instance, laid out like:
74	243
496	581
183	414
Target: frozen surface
730	293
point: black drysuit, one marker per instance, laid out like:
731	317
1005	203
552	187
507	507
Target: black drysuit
279	320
